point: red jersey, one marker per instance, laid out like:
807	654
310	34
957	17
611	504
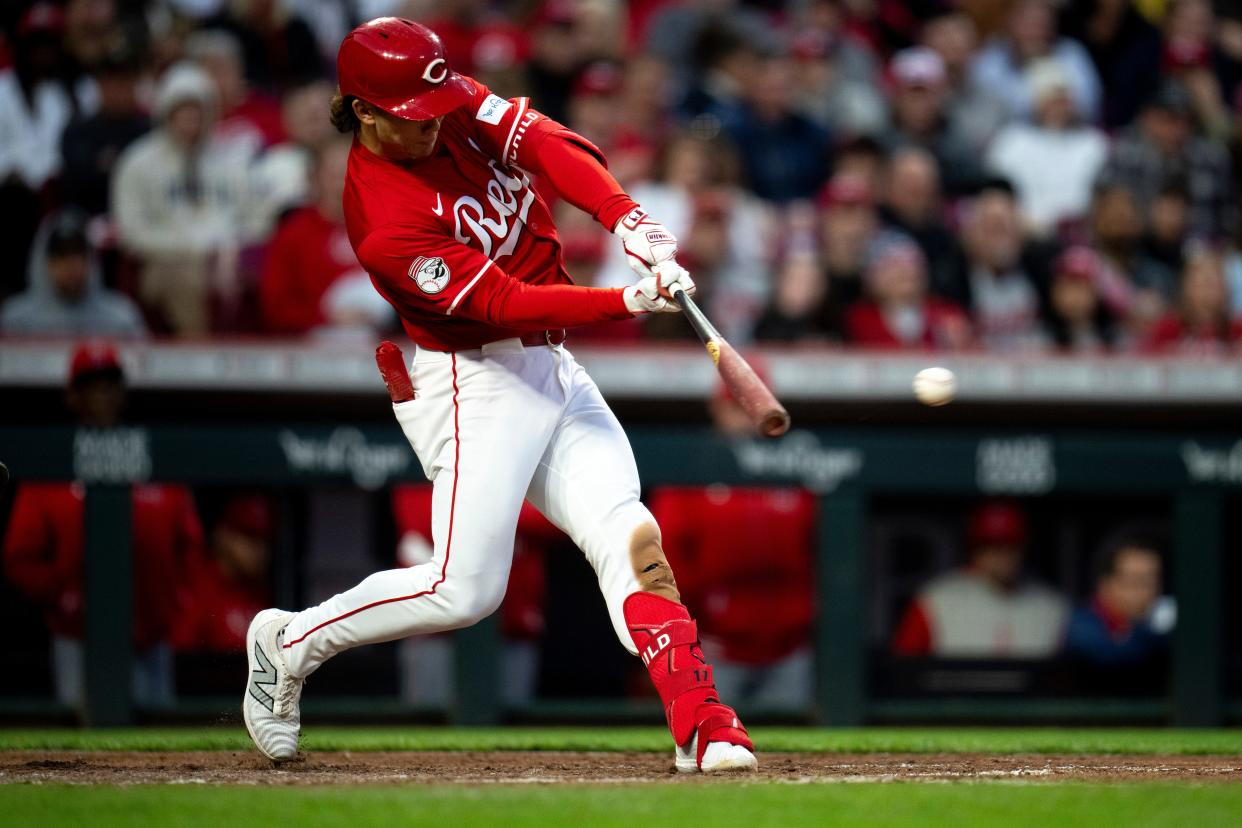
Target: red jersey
308	254
456	241
744	563
945	325
1170	335
216	610
44	546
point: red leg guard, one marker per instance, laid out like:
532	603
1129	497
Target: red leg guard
668	643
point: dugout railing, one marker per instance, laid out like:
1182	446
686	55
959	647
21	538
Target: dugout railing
846	468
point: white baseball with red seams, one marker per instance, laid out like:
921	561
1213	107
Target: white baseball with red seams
490	425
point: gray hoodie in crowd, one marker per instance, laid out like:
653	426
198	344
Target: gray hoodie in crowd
41	311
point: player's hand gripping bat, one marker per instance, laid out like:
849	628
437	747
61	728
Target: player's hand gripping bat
768	415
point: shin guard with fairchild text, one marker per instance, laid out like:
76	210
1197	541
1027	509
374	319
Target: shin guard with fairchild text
668	643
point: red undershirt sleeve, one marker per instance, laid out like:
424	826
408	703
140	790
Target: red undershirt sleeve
580	178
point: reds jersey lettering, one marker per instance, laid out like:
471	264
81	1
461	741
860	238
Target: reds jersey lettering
508	195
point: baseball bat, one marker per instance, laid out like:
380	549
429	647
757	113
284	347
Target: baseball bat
768	415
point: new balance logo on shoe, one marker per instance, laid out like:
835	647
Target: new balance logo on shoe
266	676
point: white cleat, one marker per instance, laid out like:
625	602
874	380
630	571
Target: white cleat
270	706
719	757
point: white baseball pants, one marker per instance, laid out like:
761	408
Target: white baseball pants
492	426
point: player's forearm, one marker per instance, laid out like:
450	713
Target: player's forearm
582	180
532	307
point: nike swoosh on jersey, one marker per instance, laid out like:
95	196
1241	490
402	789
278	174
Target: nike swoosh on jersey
439	208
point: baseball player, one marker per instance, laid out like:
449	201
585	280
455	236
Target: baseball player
441	212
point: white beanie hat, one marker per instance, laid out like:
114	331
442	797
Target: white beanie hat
184	81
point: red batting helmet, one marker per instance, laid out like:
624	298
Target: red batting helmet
399	66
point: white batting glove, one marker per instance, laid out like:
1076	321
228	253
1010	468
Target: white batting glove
647	243
648	295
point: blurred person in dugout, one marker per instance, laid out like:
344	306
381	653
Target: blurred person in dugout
426	661
1125	623
183	205
755	609
311	280
45	544
224	589
986	609
65	295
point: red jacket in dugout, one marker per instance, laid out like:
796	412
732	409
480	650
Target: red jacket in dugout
454	247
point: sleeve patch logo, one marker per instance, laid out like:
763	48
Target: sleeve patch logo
492	110
431	275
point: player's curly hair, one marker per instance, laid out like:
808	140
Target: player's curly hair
341	113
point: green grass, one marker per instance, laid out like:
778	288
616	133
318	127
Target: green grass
879	739
754	805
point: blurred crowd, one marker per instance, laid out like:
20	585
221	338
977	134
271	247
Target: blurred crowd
1020	176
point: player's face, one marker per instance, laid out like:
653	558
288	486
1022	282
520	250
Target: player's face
400	139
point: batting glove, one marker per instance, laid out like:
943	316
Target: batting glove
647	243
653	294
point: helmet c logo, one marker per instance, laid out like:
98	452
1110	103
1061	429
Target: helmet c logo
431	75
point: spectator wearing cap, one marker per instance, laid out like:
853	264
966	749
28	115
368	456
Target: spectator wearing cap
561	43
1030	34
987	609
1125	48
1202	323
920	118
897	312
476	36
848	224
911	203
249	121
755	611
1116	627
1005	275
45	544
65	294
36	105
311	280
1054	160
784	154
835	75
182	204
1080	322
1163	146
92	143
224	589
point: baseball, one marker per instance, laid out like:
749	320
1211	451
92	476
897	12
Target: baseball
935	386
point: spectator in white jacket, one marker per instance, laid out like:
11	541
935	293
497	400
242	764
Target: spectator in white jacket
183	204
1053	162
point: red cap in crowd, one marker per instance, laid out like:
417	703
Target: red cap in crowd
94	357
250	515
997	522
1078	263
599	79
41	18
845	189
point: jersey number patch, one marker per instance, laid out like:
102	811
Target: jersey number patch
431	275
